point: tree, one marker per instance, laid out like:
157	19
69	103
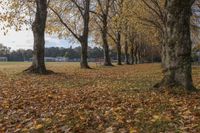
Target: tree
126	45
102	13
116	28
149	19
38	28
82	10
172	16
20	13
177	45
134	31
4	51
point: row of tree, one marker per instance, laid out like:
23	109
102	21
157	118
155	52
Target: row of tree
113	23
95	53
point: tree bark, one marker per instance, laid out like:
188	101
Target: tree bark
139	56
163	52
126	53
132	54
84	55
135	59
38	28
135	55
177	45
104	32
84	37
118	45
107	60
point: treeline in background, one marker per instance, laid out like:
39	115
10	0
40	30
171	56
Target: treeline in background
148	54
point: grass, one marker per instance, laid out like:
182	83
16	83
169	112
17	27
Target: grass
104	99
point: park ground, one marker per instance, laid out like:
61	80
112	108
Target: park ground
116	99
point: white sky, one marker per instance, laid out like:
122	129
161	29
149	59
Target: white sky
24	40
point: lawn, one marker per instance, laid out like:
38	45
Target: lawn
103	99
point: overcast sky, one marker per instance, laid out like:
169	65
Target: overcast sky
24	40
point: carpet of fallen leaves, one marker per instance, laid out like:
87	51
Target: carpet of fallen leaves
103	99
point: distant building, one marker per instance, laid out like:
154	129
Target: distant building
74	60
61	59
3	59
49	59
54	59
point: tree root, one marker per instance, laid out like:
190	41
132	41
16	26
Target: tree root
34	70
86	67
108	64
173	86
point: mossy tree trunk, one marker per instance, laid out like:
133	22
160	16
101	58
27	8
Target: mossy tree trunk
177	45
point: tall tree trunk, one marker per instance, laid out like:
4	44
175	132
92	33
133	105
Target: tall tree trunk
84	54
135	55
139	56
38	28
107	60
118	45
163	53
177	46
132	54
104	32
84	37
126	52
